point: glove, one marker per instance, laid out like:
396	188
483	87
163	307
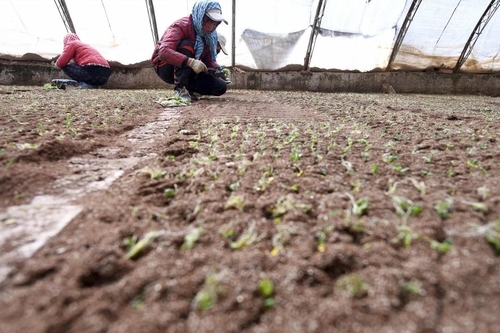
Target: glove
197	65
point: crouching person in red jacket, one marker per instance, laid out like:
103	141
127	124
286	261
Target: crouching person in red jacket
186	54
83	63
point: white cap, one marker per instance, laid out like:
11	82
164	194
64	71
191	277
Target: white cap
216	15
222	43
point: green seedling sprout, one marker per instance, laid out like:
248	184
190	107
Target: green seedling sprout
295	155
154	173
235	201
348	166
493	236
263	183
413	288
388	158
137	303
399	168
280	240
442	248
420	186
374	169
169	193
321	236
129	242
477	206
191	238
283	205
353	286
227	231
443	207
210	292
233	186
247	238
405	236
483	192
138	248
298	171
266	289
405	207
365	156
356	185
391	186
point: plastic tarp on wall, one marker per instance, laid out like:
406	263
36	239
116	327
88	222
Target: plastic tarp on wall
350	35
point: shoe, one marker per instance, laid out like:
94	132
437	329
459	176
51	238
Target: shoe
83	85
63	83
183	94
195	96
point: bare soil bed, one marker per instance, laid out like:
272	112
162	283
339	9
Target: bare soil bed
254	212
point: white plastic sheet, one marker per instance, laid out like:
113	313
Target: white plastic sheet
354	35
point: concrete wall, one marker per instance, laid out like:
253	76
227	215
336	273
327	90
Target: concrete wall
39	73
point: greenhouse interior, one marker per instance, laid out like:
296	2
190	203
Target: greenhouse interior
294	36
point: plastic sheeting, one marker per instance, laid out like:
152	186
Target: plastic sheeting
353	35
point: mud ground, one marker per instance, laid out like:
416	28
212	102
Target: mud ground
259	211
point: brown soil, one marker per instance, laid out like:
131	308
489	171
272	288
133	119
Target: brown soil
273	184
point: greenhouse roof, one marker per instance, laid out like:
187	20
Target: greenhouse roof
344	35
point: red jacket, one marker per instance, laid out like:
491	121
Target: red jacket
82	54
165	50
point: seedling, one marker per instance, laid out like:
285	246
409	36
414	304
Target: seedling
353	286
235	201
227	231
493	236
391	186
283	205
263	182
266	289
348	166
191	238
405	236
399	168
210	292
388	158
280	240
138	248
356	185
321	236
443	207
405	207
295	155
247	238
420	186
154	173
169	193
483	192
137	303
442	248
413	288
477	206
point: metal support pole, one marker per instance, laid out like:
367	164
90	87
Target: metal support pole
320	11
65	16
152	20
483	21
233	36
402	33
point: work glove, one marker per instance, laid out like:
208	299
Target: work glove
197	65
